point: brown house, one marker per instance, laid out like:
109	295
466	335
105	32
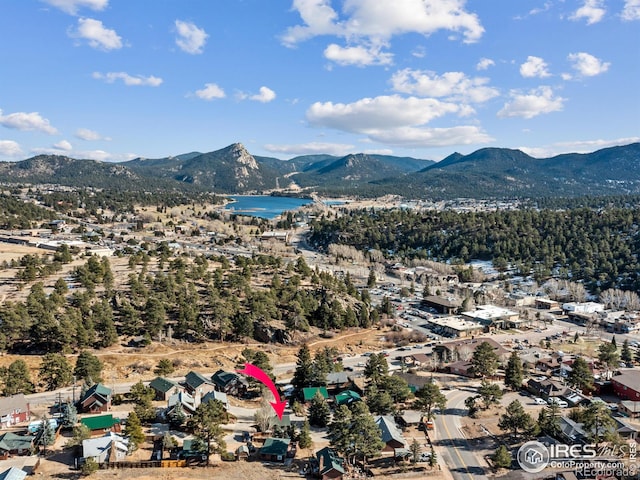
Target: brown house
463	349
96	400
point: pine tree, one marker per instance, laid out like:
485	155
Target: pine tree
513	375
626	355
304	440
55	371
319	411
416	450
133	430
46	435
484	361
502	457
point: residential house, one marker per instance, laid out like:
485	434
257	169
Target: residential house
549	363
547	304
391	434
627	385
310	392
14	444
414	381
96	400
461	367
13	473
409	418
330	465
573	432
215	395
197	384
230	383
101	424
109	448
419	359
463	349
13	410
276	450
347	397
164	388
546	388
630	408
337	381
188	403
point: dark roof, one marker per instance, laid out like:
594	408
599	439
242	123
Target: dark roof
163	385
100	422
310	392
471	344
10	442
275	446
285	421
222	378
99	392
347	397
329	460
193	380
387	426
443	302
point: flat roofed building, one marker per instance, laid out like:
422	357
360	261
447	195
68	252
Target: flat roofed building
456	326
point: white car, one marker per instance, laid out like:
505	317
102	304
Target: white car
558	402
539	401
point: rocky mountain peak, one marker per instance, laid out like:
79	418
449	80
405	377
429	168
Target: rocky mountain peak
240	154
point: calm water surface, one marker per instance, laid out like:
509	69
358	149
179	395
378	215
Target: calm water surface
264	206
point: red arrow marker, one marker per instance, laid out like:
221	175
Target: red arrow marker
257	373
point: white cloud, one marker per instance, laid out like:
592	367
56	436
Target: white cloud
580	146
63	145
485	63
266	95
129	80
373	23
191	39
97	35
631	10
89	135
372	114
588	65
9	148
71	6
311	148
534	67
432	137
360	56
532	104
591	10
210	91
450	84
27	121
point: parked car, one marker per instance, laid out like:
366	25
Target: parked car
558	402
539	401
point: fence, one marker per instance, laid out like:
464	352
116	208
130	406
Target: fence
144	464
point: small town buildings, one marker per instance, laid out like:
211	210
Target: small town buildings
310	392
109	448
630	408
13	473
230	383
461	367
546	388
409	418
456	326
493	317
547	304
330	465
447	306
463	349
275	449
96	400
627	385
101	424
215	395
189	403
391	434
197	384
13	410
14	444
347	397
337	381
164	388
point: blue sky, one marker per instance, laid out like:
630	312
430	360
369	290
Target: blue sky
116	79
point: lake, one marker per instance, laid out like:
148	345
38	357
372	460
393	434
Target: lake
264	206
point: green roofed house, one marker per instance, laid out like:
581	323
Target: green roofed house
197	383
164	388
96	400
12	444
330	465
275	449
310	392
347	397
101	424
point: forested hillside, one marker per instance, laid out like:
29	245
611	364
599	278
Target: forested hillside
598	246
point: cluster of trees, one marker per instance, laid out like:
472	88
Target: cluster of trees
55	371
16	214
599	247
191	298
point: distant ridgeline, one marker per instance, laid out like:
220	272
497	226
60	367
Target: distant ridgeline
486	173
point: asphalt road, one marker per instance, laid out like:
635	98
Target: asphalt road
458	455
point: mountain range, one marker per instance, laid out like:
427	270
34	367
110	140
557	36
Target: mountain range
485	173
